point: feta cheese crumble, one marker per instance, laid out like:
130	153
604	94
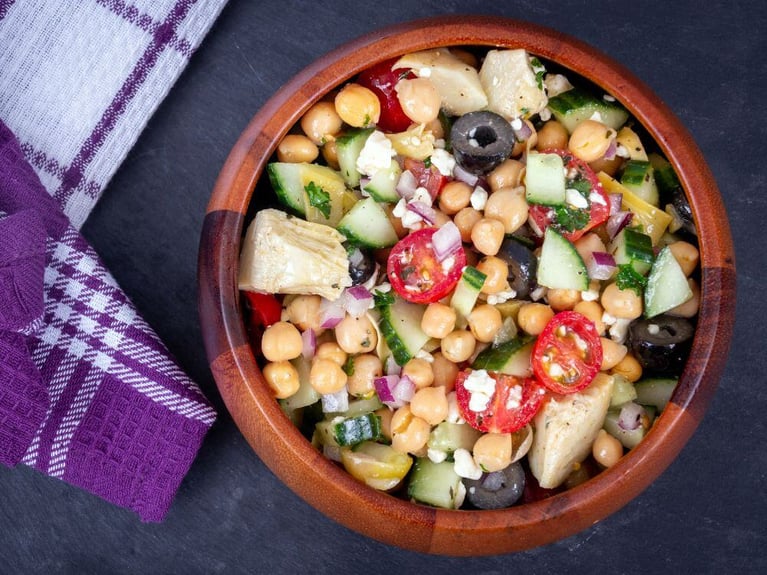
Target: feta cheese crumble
443	161
376	154
478	198
465	466
515	397
481	388
575	199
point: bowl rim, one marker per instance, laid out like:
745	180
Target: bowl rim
297	463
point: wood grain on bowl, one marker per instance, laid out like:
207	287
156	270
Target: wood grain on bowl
329	488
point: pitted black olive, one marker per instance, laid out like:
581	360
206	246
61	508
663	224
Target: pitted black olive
481	141
361	265
523	265
683	210
497	489
661	344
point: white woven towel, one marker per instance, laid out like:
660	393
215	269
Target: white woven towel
79	80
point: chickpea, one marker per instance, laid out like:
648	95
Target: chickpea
621	303
590	140
686	254
497	272
487	236
492	451
356	334
358	106
296	148
562	299
690	307
282	378
465	220
386	416
629	368
326	376
304	312
419	99
484	322
606	449
458	345
430	404
330	153
281	341
533	317
454	196
366	367
589	243
321	122
508	174
332	351
593	311
419	371
612	353
508	206
408	433
609	167
438	320
552	135
445	372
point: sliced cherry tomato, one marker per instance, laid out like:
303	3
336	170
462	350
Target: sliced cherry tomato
381	79
570	221
568	353
416	274
265	309
512	405
427	177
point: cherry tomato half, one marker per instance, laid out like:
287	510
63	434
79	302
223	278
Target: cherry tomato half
568	353
381	79
416	274
512	405
570	221
427	177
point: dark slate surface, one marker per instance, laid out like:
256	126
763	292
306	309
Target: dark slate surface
706	512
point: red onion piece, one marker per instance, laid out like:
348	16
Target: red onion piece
630	416
523	132
404	390
309	339
611	150
392	367
426	212
617	222
356	300
337	402
363	183
615	201
407	184
600	266
446	240
461	174
331	313
384	386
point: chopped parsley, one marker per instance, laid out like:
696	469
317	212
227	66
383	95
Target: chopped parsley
427	162
318	198
571	219
349	366
382	299
539	70
629	278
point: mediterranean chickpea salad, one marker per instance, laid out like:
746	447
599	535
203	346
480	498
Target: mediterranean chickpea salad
478	284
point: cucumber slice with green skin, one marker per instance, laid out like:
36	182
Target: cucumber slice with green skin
348	148
363	406
466	293
400	325
633	247
667	286
436	484
448	437
623	391
288	184
572	107
342	431
639	177
545	179
665	176
655	391
560	266
511	358
383	185
367	224
629	438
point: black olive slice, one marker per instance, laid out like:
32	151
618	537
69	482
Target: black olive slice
683	210
661	344
361	265
497	489
522	264
481	141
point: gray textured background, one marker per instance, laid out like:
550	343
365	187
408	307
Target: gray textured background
705	514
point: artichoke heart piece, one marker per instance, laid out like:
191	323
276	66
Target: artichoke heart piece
511	85
456	82
284	254
565	429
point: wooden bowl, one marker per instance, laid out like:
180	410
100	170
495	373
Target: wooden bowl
328	487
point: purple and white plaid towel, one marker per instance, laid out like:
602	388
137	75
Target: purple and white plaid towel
88	393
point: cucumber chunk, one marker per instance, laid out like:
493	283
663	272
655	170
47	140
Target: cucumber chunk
400	324
466	293
629	438
570	108
655	391
349	147
511	357
436	484
343	431
448	437
560	265
667	286
383	185
639	177
368	225
545	179
633	247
